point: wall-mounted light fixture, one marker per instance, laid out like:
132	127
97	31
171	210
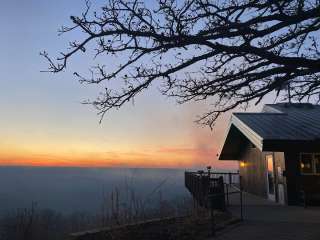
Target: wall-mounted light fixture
242	164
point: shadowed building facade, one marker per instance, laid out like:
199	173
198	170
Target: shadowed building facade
278	151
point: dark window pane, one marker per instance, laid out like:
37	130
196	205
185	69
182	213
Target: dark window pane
306	163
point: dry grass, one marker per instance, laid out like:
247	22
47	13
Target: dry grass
194	227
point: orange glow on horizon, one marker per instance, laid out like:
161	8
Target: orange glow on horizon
150	148
180	157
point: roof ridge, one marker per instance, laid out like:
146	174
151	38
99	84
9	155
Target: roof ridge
294	104
260	113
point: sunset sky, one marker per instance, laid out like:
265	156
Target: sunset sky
43	122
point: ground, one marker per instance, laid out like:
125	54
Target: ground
265	220
193	227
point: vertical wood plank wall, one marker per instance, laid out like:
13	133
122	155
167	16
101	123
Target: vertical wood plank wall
292	176
254	173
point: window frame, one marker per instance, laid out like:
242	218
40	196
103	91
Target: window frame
313	163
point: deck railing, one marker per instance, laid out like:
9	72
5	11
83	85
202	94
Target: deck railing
212	189
230	178
201	185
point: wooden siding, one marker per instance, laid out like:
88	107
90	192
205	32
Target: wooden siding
295	181
254	172
292	161
292	176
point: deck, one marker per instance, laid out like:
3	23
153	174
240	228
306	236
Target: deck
265	220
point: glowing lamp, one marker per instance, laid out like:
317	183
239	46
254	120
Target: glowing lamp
242	164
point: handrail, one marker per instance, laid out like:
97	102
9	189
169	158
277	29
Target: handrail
228	177
211	173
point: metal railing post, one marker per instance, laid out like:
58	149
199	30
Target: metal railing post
241	206
227	189
241	200
213	224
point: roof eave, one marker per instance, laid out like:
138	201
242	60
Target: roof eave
252	136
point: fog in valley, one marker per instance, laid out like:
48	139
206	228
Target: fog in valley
70	190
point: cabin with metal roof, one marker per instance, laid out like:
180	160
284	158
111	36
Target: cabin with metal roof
278	151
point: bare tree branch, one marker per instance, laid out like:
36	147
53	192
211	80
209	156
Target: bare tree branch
227	53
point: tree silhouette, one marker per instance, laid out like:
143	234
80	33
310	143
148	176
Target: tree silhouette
225	52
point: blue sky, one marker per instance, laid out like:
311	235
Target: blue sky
43	118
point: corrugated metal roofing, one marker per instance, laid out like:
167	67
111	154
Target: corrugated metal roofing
284	122
273	128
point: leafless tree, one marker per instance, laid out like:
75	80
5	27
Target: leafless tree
227	53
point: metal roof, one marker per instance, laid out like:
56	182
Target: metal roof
276	122
290	122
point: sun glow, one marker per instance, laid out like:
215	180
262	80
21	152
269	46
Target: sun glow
169	157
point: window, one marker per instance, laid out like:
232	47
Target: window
310	163
306	163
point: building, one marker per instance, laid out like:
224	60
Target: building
278	151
